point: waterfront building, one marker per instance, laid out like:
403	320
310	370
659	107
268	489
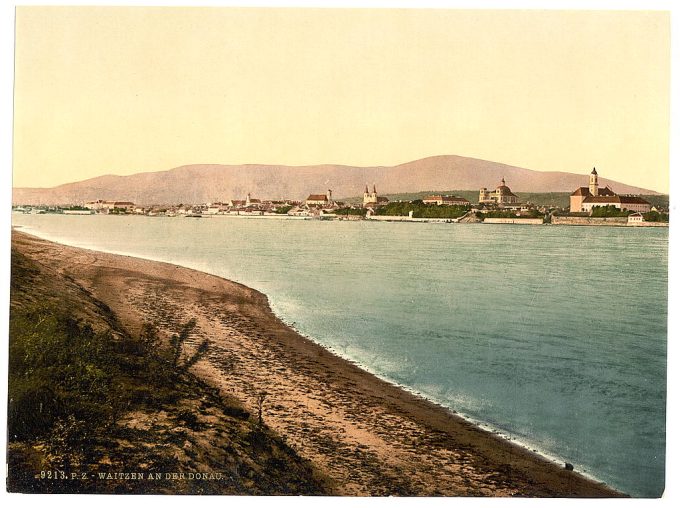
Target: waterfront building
95	205
632	203
320	199
635	217
593	190
501	196
371	199
216	208
124	205
101	205
438	199
584	199
252	201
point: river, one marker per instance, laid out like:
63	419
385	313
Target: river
553	336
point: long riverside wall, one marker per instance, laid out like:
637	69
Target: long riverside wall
405	218
590	221
515	220
648	224
605	221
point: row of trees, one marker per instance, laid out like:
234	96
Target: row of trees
422	210
348	210
655	216
609	211
612	211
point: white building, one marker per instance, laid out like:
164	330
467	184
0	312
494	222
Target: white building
632	203
110	205
215	208
584	199
445	200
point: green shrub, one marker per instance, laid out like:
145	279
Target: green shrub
608	211
655	217
57	367
283	209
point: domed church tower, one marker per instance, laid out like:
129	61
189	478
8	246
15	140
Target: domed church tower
593	186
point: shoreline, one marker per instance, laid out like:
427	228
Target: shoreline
314	384
513	439
484	426
519	221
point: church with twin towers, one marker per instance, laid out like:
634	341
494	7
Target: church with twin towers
371	199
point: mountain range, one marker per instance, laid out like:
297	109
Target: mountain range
200	183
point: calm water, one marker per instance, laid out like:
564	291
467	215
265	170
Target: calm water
553	335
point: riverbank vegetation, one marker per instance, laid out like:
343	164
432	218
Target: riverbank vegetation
655	216
88	398
348	210
284	209
609	211
421	210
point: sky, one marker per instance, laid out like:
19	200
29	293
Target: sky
122	90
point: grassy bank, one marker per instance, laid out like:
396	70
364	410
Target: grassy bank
94	409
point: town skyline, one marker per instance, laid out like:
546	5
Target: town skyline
207	183
152	89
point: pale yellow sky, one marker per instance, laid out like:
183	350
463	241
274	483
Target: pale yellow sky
124	90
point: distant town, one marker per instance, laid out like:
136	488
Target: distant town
588	205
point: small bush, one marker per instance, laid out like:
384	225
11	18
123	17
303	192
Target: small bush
57	368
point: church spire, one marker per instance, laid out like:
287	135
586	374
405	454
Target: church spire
593	186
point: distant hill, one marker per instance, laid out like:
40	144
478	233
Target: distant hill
199	183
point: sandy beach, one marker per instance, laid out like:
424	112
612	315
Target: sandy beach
368	436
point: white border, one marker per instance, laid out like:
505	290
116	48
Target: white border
6	101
